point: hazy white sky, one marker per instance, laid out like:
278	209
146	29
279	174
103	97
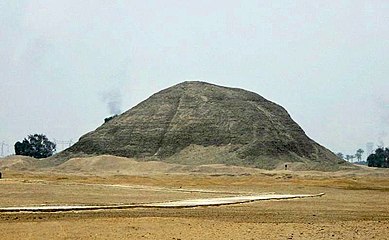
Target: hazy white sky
64	65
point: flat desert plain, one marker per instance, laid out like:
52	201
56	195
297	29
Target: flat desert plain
355	204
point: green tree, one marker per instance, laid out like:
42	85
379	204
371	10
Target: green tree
37	146
358	154
380	158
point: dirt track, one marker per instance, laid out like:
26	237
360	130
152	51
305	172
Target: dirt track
203	202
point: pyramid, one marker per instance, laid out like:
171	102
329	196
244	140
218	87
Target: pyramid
200	123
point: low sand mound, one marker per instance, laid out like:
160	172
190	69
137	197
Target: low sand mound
18	163
218	169
113	165
98	163
109	165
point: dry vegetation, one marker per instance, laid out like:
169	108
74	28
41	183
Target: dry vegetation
355	205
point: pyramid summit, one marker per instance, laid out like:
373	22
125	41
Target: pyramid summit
200	123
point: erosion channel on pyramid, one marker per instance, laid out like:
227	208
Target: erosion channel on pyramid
200	123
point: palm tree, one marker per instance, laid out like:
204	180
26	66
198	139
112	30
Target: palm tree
359	153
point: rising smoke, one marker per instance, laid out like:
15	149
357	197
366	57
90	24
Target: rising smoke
113	97
113	100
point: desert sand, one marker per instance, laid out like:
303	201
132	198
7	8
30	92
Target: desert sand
355	204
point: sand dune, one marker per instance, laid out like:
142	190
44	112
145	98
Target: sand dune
113	165
108	165
18	163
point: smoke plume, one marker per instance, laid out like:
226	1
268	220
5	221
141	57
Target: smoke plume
113	100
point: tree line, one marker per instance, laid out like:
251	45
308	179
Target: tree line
350	158
380	157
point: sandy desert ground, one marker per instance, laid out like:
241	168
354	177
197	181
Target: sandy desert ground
355	204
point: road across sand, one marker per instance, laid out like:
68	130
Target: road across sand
173	204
